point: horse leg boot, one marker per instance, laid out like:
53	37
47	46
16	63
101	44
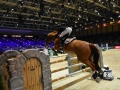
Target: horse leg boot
100	74
96	77
94	72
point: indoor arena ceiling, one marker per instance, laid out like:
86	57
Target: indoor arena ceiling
50	14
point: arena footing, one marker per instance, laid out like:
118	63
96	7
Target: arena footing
71	80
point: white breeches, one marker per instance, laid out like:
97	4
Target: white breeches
66	31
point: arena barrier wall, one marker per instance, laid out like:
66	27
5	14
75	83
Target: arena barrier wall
29	70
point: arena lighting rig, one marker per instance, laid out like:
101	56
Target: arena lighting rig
50	14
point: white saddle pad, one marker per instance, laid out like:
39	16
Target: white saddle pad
68	40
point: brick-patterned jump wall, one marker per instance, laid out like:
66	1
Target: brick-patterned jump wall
15	66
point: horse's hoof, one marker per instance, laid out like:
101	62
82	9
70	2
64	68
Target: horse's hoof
100	75
98	79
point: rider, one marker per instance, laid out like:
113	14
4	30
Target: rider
64	33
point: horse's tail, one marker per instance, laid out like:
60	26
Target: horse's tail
96	55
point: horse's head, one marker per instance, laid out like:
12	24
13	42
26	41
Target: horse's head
50	37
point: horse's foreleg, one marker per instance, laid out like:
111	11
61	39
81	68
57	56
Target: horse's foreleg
56	47
100	72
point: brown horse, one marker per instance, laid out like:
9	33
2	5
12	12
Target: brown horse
83	50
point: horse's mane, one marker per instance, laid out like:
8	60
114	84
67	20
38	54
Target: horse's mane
53	33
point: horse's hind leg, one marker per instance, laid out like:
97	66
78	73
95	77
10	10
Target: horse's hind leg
98	68
94	71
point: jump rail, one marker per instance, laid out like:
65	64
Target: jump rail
68	67
67	75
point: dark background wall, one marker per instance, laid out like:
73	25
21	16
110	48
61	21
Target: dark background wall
99	29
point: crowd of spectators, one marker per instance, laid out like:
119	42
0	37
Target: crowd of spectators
102	40
21	43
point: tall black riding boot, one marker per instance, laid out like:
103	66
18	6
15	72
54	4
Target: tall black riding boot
62	40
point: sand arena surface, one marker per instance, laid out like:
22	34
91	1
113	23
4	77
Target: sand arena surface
110	58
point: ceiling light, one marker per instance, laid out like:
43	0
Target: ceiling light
114	5
79	16
119	16
111	18
103	19
96	11
76	22
75	25
117	11
96	20
68	2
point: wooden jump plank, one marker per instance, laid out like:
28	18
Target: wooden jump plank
58	65
57	61
60	69
57	75
68	81
64	73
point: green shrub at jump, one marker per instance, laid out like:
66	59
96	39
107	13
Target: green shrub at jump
1	83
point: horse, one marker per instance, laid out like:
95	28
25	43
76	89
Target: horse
86	52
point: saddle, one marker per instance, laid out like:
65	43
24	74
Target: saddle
69	40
